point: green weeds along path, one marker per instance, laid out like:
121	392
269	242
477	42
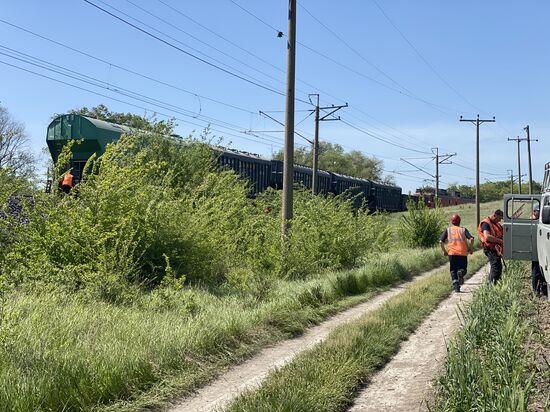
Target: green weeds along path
251	373
60	352
489	367
326	377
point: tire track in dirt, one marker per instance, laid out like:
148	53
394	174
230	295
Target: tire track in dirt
251	373
405	384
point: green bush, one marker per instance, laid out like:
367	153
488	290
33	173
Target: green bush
421	226
155	207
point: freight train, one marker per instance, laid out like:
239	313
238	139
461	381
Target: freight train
262	173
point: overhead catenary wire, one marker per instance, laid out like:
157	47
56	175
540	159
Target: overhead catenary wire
168	23
169	44
196	51
125	92
440	108
121	67
391	143
446	110
362	57
112	64
426	62
263	140
381	139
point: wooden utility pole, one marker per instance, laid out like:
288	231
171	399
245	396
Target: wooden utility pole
325	118
288	162
477	122
526	128
440	159
518	139
436	175
315	150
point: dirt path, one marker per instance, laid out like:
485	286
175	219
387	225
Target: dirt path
406	381
251	373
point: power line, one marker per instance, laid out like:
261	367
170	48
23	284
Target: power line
442	109
125	92
125	68
437	107
235	70
381	139
362	57
220	36
185	51
430	66
270	142
193	37
279	32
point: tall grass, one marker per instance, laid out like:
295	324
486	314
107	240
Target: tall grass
58	350
488	366
326	377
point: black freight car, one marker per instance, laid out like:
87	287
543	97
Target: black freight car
302	175
360	189
252	167
388	198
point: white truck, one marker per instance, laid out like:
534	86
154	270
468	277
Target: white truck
526	238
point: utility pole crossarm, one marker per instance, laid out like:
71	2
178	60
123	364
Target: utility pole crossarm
334	110
526	128
316	135
519	140
477	121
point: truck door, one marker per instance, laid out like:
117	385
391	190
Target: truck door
520	230
543	240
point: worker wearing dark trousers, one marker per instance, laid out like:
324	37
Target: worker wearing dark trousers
490	234
459	243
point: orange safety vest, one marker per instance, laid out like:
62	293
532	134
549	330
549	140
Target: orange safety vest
495	230
67	180
456	237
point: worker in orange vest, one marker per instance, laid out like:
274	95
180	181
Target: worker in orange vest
459	243
490	233
67	182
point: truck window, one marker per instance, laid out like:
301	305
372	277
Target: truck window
521	209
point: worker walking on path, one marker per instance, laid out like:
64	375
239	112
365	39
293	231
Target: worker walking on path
67	182
459	243
490	233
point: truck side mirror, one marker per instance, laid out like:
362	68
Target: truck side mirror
546	215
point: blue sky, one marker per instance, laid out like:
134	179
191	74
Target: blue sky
408	70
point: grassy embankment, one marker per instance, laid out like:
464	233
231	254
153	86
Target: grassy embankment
326	377
103	295
145	353
58	350
490	365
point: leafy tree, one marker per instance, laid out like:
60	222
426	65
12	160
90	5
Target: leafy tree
490	191
333	157
15	157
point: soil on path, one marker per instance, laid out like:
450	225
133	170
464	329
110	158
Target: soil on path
250	374
406	382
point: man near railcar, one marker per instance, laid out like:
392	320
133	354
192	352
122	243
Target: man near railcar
67	183
459	243
490	233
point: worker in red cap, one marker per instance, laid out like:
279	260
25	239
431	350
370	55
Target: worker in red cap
459	243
